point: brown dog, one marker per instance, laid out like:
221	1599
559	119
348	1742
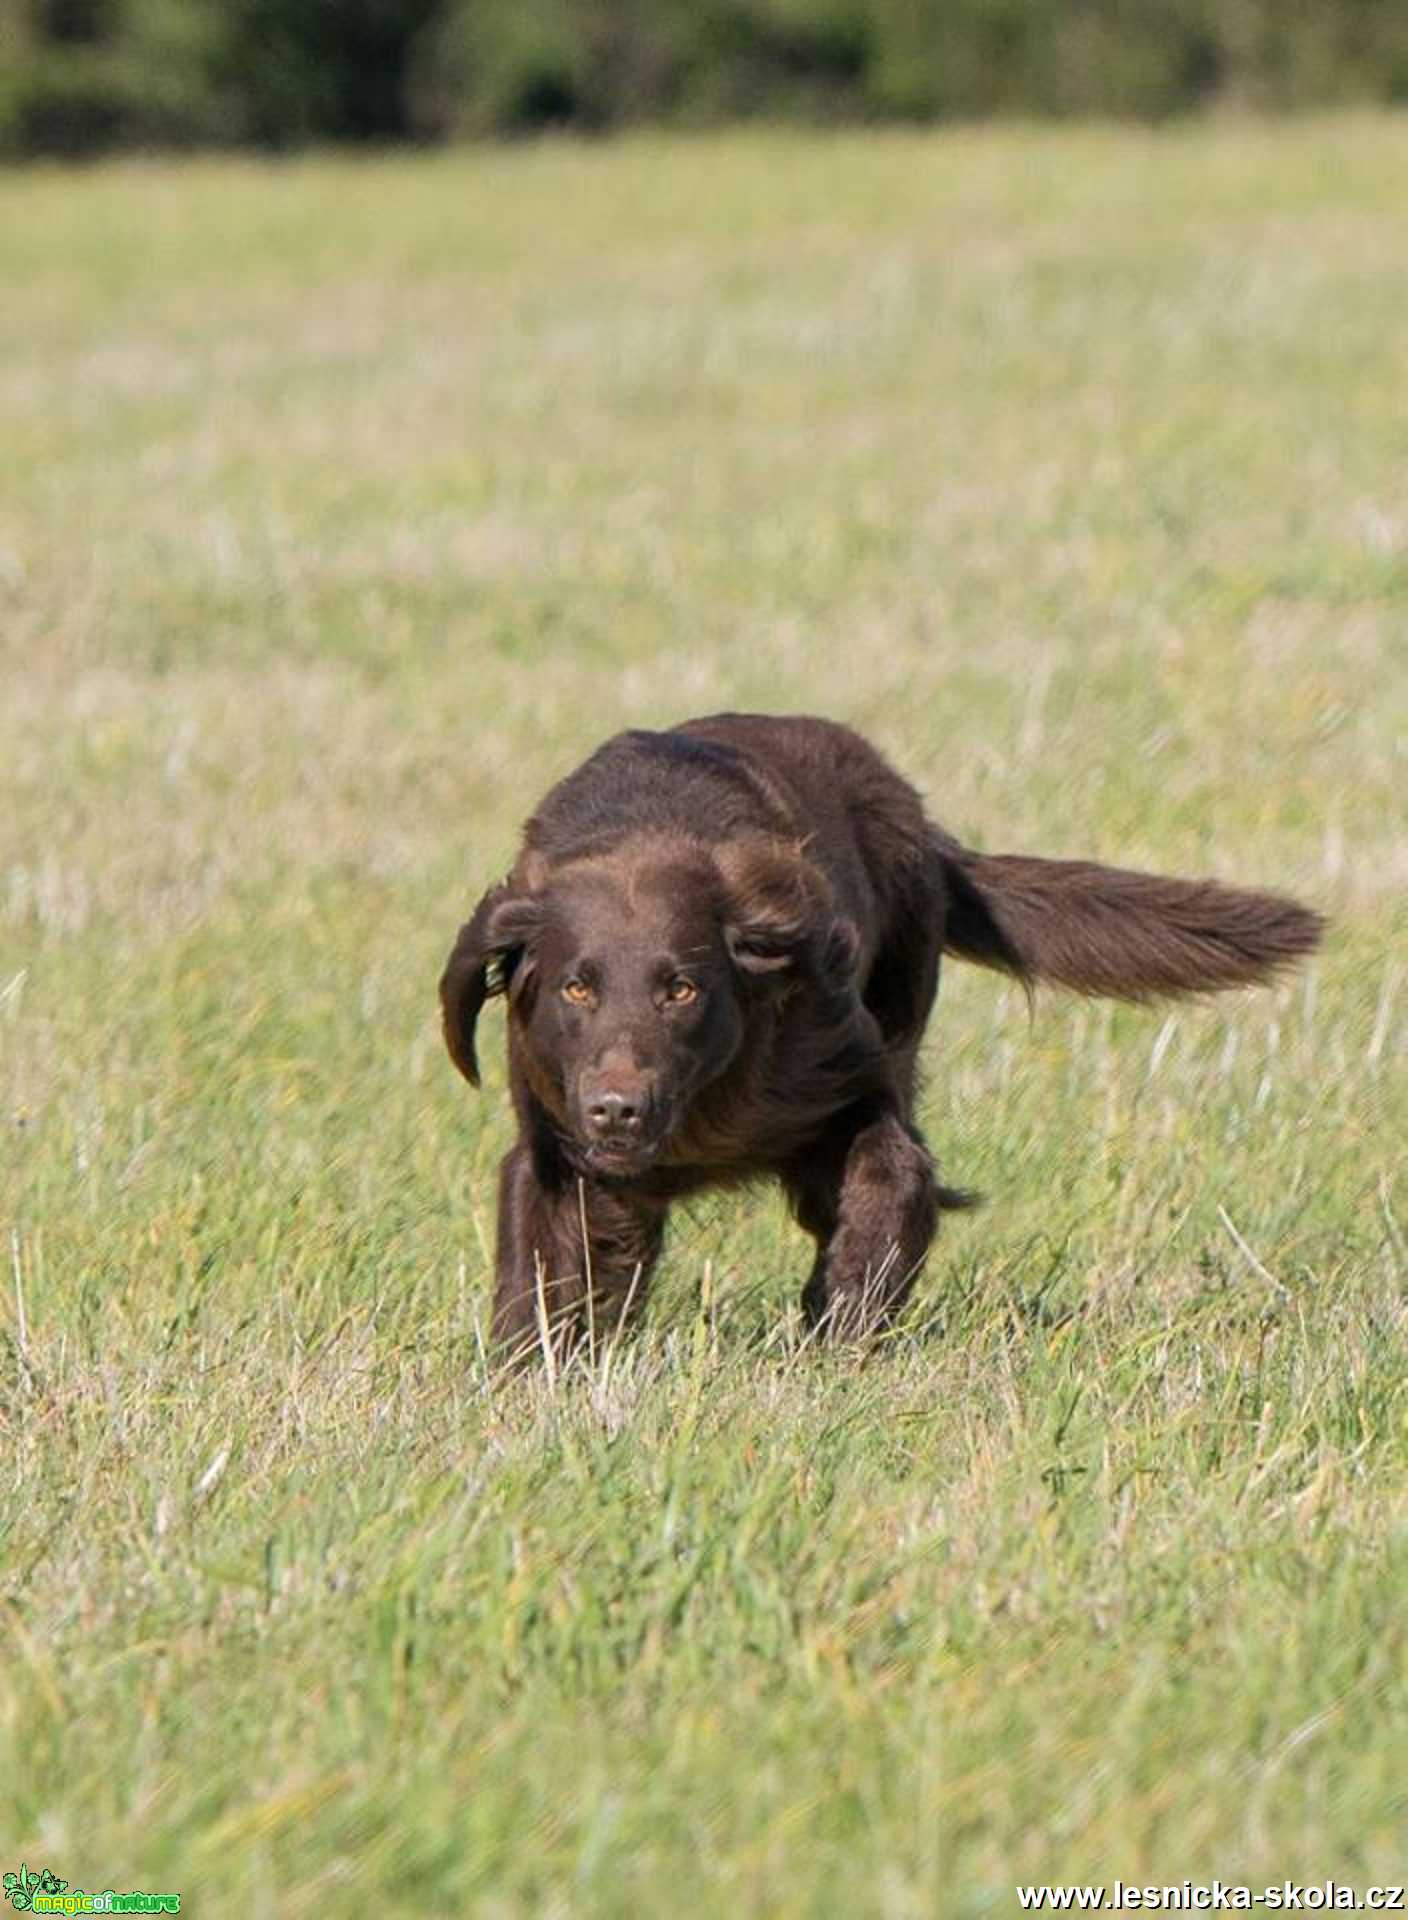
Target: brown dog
719	947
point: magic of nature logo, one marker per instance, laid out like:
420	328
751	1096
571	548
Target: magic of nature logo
29	1891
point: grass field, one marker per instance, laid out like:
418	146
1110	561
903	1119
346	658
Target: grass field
346	505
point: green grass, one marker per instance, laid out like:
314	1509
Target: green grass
344	507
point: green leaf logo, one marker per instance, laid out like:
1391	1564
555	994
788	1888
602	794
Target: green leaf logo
19	1888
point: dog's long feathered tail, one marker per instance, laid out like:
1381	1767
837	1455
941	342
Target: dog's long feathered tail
1103	930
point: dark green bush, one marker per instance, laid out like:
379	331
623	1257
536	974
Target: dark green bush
302	70
487	69
83	75
80	76
504	66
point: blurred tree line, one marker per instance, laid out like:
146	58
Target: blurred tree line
87	76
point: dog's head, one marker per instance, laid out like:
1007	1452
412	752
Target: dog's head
632	980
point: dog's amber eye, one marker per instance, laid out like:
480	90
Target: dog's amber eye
577	991
680	991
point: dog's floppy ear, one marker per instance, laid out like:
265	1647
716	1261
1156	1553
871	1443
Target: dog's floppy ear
486	957
779	912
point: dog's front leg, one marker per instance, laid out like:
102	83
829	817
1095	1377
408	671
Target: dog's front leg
574	1258
869	1196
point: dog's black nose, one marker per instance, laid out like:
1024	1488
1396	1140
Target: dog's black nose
614	1113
